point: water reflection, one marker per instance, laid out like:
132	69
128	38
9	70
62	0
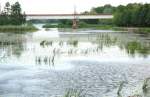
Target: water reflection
46	43
125	41
70	44
136	47
12	44
93	61
45	60
74	43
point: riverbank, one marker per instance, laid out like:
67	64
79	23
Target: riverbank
133	29
103	27
18	28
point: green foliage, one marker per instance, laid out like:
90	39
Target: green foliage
133	47
17	28
137	15
65	22
90	21
105	22
74	93
106	9
50	26
80	25
11	15
144	30
73	42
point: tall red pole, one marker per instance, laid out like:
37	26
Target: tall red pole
74	24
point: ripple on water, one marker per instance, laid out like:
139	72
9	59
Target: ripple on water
93	62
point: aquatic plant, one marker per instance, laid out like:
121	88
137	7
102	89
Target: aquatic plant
46	43
74	43
18	29
74	93
136	47
120	89
146	85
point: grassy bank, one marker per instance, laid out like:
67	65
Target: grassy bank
50	26
57	26
133	29
84	25
80	26
145	30
102	27
19	29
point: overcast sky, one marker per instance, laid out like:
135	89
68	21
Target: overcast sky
66	6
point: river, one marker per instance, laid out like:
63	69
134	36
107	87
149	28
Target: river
48	62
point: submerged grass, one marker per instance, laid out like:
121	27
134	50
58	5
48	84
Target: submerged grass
145	30
74	93
19	29
133	29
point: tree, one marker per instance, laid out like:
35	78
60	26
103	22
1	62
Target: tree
16	14
7	8
118	16
133	15
106	9
146	11
5	15
11	15
98	9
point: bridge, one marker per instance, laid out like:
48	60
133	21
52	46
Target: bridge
68	16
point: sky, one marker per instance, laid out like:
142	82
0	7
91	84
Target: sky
65	6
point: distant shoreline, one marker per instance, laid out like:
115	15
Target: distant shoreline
18	28
103	27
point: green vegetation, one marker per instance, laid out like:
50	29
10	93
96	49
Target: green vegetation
74	43
12	20
132	15
132	29
88	23
101	24
106	9
134	47
144	30
82	25
18	28
74	93
50	26
136	16
11	15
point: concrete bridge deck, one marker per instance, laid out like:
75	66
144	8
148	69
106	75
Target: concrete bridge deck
68	16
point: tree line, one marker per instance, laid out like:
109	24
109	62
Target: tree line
131	15
12	15
106	9
137	15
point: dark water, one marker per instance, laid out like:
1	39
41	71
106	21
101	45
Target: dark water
46	63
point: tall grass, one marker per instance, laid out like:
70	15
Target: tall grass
16	28
80	25
74	93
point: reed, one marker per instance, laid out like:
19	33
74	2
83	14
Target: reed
74	93
19	29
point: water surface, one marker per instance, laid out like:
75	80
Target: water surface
47	62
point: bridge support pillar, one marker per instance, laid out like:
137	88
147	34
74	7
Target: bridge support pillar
74	24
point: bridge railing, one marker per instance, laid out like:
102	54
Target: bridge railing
68	16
